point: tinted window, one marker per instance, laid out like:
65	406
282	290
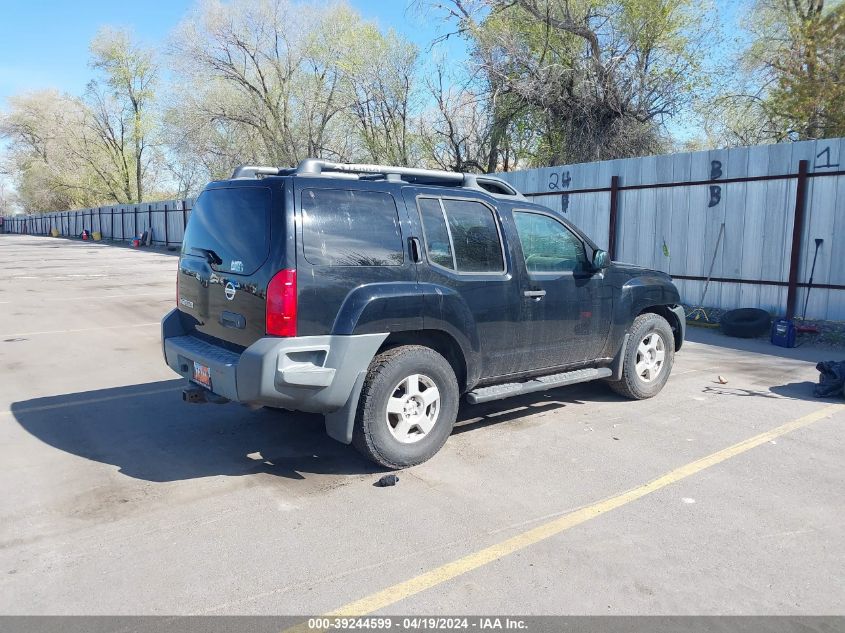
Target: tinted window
234	224
547	244
437	240
350	228
475	238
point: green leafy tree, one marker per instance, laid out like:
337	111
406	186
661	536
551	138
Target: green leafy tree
799	53
68	152
596	79
131	75
789	84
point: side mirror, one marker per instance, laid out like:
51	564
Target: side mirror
601	260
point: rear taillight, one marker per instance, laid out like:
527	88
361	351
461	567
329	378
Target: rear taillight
281	304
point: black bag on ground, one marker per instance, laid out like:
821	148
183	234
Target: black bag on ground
831	380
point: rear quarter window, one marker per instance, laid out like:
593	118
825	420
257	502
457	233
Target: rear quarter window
461	235
350	228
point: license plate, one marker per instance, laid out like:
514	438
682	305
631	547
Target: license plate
202	375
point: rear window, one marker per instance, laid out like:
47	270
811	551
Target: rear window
233	225
461	235
350	228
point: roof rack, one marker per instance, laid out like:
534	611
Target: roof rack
365	171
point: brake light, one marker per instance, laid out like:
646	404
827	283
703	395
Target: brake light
281	304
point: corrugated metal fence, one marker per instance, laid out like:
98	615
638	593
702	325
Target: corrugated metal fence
122	223
635	207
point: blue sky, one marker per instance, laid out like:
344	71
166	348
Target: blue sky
44	43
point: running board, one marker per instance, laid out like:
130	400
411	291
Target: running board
542	383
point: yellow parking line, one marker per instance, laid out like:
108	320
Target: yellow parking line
408	588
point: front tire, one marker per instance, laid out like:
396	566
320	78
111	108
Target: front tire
408	406
649	357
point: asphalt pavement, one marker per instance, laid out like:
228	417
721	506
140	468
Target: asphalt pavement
118	498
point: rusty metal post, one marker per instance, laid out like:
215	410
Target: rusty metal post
614	214
797	238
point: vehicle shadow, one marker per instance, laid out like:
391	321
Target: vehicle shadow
148	433
473	417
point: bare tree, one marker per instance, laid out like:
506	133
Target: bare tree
278	81
456	133
38	129
8	198
66	152
266	67
379	72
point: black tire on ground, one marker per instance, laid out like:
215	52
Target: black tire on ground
389	378
641	344
746	322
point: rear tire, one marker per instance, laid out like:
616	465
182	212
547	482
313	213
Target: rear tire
408	406
649	357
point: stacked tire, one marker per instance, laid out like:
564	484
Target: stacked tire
746	323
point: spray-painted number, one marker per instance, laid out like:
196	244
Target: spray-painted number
559	180
826	164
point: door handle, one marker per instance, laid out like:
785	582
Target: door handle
535	293
416	250
232	320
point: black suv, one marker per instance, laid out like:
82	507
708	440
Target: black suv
380	295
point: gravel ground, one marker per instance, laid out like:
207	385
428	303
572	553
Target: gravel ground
831	333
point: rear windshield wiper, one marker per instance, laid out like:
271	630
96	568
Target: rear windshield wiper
210	255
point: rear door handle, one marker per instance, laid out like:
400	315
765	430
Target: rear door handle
535	293
416	250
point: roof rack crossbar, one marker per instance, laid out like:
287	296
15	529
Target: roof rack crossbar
253	171
316	166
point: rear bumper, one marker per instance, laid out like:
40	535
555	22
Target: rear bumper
308	373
